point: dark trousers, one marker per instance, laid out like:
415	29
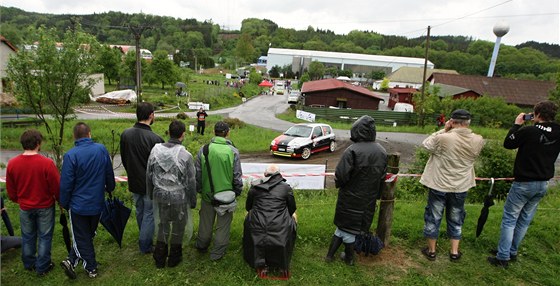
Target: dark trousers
83	230
200	127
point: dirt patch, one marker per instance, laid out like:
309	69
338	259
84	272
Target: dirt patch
393	257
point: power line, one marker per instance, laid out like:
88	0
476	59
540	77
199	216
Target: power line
474	13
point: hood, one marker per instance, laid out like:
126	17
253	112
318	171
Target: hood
166	157
267	183
363	129
550	132
291	140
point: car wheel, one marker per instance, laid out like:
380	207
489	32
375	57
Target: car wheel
332	147
306	153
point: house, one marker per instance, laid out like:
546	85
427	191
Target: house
455	92
523	93
410	77
339	94
400	94
7	50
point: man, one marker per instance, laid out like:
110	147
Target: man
449	174
538	147
33	182
136	144
225	166
87	173
171	184
201	121
360	176
269	232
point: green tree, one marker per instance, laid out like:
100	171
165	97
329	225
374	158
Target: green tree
316	70
244	49
110	61
162	69
52	81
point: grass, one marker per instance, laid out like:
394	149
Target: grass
398	264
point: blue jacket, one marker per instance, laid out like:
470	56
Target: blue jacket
86	174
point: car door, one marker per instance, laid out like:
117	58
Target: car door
317	137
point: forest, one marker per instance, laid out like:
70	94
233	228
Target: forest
190	40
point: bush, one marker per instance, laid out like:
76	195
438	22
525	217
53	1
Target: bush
182	115
234	123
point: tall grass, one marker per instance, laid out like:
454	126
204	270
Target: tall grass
398	264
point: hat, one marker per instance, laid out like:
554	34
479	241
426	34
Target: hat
221	127
460	114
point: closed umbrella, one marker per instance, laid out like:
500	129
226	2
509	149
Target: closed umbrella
65	231
488	202
114	217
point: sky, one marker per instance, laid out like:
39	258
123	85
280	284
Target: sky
528	20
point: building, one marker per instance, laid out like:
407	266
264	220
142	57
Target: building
338	94
523	93
359	64
7	50
455	92
409	77
400	94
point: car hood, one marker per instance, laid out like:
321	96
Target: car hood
291	140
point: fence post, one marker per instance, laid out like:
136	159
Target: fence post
387	201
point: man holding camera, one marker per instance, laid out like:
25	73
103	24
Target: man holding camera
538	147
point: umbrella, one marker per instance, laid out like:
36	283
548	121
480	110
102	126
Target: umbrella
114	217
265	83
6	219
180	84
488	202
65	232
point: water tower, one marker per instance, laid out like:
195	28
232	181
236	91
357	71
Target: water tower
500	29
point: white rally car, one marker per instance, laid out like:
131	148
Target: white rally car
304	139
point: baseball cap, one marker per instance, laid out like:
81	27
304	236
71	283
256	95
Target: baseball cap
460	114
221	127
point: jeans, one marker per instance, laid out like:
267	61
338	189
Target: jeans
36	224
454	205
346	237
145	220
521	206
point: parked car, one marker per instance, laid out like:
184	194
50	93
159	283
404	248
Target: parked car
293	97
304	139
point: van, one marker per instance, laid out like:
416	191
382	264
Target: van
403	107
279	86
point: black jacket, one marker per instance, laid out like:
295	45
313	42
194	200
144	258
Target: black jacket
539	146
360	176
136	144
269	230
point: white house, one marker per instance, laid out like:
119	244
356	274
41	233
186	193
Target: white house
7	50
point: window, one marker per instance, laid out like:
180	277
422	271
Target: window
317	132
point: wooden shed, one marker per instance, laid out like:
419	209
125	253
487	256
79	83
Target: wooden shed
339	94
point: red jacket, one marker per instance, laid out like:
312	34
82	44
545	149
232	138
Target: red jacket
32	181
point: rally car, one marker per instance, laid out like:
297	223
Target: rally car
302	140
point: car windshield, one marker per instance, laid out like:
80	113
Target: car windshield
299	131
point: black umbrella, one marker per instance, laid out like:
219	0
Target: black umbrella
65	231
488	202
6	219
114	217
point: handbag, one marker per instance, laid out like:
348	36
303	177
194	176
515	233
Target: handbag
221	198
368	243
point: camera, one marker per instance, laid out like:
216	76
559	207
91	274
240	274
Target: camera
528	116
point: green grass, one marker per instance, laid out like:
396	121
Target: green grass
398	264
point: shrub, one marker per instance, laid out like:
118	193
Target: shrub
182	115
234	123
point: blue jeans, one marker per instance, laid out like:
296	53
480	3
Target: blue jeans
346	237
36	224
145	220
454	205
521	206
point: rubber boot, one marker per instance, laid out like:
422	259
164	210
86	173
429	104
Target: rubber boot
160	254
175	255
348	254
335	244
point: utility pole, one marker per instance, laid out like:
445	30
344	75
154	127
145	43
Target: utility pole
137	32
422	111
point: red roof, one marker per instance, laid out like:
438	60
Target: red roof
402	90
331	83
520	92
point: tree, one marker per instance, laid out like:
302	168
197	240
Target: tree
244	49
52	81
316	70
110	60
162	69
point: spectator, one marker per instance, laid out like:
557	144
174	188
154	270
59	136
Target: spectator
171	185
449	174
538	147
201	121
87	173
225	177
270	230
360	176
33	182
136	145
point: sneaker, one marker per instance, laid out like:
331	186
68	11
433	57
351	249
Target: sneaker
68	269
497	262
49	268
455	257
512	257
92	274
429	255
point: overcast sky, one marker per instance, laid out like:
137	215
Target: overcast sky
536	20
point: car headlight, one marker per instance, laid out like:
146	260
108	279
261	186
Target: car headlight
293	147
273	143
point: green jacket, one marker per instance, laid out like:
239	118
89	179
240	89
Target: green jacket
224	165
